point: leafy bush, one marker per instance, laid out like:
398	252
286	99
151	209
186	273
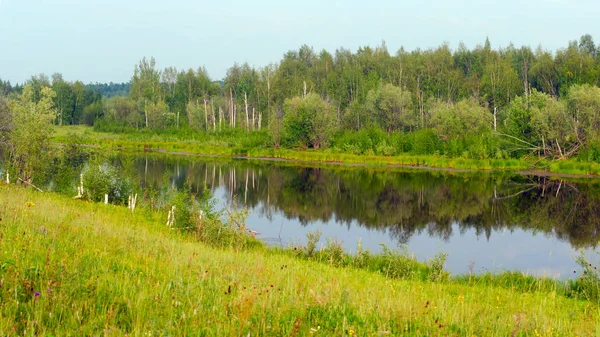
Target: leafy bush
435	267
102	179
385	150
308	122
333	253
424	141
312	239
361	142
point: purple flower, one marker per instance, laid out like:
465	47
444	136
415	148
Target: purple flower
37	294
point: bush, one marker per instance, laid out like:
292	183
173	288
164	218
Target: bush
333	253
102	179
591	153
363	141
211	229
424	142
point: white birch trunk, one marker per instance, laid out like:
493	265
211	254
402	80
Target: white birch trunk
220	118
205	114
246	105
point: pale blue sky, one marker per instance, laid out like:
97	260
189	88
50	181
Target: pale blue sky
103	40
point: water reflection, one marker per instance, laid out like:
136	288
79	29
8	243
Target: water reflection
499	222
404	204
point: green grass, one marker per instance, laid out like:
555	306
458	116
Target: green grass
253	145
69	267
233	143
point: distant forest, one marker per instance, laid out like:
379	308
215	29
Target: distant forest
480	102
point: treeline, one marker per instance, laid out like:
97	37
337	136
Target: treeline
75	102
477	103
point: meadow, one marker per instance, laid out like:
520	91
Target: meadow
70	267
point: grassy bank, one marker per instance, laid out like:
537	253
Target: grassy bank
69	267
253	146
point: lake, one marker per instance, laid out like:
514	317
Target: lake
483	221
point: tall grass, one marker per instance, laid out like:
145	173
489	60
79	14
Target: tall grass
69	267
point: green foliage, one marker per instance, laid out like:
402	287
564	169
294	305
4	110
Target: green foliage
584	108
544	105
91	113
121	110
399	264
101	179
197	116
436	271
5	122
456	120
591	153
312	239
308	122
275	129
212	229
513	280
30	148
118	272
390	263
391	108
588	284
364	141
423	142
157	115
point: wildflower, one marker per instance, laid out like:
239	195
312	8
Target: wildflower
29	204
461	298
36	295
351	332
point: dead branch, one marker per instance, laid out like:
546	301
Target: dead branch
29	184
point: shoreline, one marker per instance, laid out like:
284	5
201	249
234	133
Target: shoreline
143	148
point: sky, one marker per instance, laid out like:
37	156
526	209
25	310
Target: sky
101	41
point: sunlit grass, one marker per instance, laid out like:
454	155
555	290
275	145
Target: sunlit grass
69	267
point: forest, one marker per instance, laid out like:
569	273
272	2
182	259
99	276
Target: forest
474	103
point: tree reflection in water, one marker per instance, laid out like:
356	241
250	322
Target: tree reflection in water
404	203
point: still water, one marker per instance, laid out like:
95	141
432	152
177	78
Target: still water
483	221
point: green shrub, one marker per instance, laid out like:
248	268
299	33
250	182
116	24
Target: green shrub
333	253
435	267
312	239
225	234
102	179
424	141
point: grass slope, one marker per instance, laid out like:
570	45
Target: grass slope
73	268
